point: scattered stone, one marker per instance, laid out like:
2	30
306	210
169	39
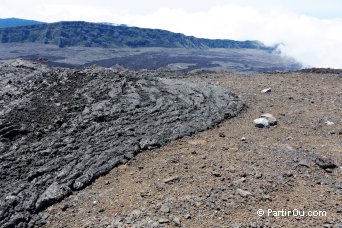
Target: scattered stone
230	169
328	170
239	181
165	208
338	186
261	123
288	174
101	210
144	194
271	119
216	174
325	162
187	216
243	193
177	221
329	123
163	221
174	160
267	90
199	142
222	134
171	179
267	198
233	149
243	139
66	207
303	163
258	175
107	182
243	174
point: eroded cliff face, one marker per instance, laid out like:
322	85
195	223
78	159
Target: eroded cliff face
60	129
85	34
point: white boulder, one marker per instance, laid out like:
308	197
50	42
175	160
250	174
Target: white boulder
272	120
267	90
262	123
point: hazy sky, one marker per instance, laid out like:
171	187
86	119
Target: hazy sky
310	30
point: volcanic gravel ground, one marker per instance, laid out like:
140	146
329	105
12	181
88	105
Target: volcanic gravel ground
221	177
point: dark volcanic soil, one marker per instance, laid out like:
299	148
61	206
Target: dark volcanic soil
221	177
179	59
61	129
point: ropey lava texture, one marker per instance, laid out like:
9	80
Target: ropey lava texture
60	129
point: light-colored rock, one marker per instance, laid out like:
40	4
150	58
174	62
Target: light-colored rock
233	149
267	90
239	181
243	193
199	142
177	221
329	123
272	120
163	221
171	179
165	208
258	175
262	123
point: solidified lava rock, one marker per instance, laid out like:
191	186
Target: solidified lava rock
71	126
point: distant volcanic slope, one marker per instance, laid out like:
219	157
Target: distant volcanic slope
67	34
60	129
13	22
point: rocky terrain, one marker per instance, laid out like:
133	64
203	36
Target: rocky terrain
70	143
221	177
60	129
175	59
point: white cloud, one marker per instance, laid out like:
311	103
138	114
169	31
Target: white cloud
314	42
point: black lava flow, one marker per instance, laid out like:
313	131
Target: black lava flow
60	129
